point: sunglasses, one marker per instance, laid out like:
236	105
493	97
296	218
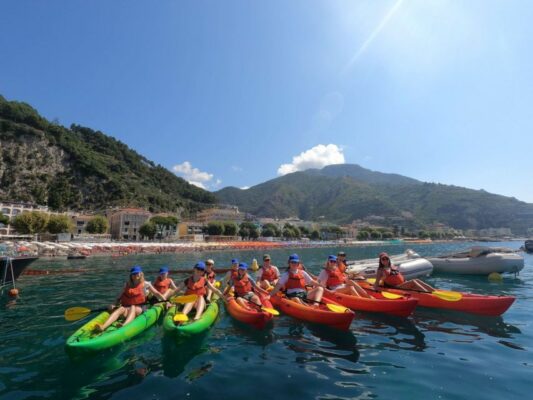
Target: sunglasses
332	261
199	269
384	258
294	262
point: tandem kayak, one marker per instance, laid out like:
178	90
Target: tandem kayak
464	302
318	315
253	316
192	327
86	340
402	307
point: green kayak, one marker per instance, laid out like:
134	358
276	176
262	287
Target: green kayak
192	327
85	340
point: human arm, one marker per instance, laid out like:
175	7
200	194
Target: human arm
154	291
281	282
215	290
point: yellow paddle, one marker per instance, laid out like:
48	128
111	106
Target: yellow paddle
180	317
447	295
332	307
77	313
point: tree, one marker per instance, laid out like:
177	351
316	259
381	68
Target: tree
230	228
4	219
290	231
363	235
59	224
315	235
304	231
215	228
30	223
375	235
248	230
97	225
163	222
148	229
270	230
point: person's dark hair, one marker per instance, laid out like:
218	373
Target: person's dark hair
381	265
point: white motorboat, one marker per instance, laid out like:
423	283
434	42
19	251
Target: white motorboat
479	261
410	263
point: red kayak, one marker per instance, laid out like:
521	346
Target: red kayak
467	302
402	307
318	315
253	316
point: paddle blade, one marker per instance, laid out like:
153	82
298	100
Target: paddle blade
184	299
76	313
217	284
336	308
270	310
389	295
371	280
447	295
180	317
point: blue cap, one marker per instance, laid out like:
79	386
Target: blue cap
332	258
294	257
243	265
234	261
200	265
163	270
136	270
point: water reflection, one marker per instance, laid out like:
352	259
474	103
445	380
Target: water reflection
177	354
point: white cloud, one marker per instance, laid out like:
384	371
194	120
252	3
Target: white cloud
316	157
236	168
194	176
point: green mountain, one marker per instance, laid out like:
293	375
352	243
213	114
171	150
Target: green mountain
343	193
79	168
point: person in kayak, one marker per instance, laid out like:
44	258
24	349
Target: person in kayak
197	284
294	282
389	275
341	261
132	300
268	274
333	278
211	275
231	273
163	284
244	287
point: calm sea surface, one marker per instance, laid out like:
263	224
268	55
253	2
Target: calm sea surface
431	355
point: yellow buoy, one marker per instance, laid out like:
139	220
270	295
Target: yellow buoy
254	266
495	277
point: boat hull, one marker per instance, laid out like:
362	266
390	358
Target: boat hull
255	318
207	319
482	265
402	307
410	264
19	265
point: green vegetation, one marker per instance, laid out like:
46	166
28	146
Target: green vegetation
79	168
30	223
148	230
248	230
345	193
97	225
4	219
59	224
270	230
163	222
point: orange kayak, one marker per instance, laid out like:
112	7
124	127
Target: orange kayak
317	315
468	302
402	307
253	316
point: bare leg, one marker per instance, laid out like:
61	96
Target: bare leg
316	294
119	312
240	301
188	307
200	307
133	312
209	294
360	291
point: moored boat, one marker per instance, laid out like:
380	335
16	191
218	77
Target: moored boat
253	316
86	340
191	328
12	267
410	263
402	307
479	261
318	315
528	246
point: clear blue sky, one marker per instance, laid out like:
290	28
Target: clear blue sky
233	92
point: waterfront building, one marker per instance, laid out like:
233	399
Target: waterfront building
125	223
11	210
222	213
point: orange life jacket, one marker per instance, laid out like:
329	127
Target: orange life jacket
242	285
295	281
133	295
393	277
234	273
342	266
197	287
335	278
269	275
162	285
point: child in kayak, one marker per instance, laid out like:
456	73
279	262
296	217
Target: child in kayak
333	278
244	286
268	274
295	281
210	275
389	275
132	300
231	273
163	284
197	284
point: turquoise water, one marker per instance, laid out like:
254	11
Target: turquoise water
431	355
